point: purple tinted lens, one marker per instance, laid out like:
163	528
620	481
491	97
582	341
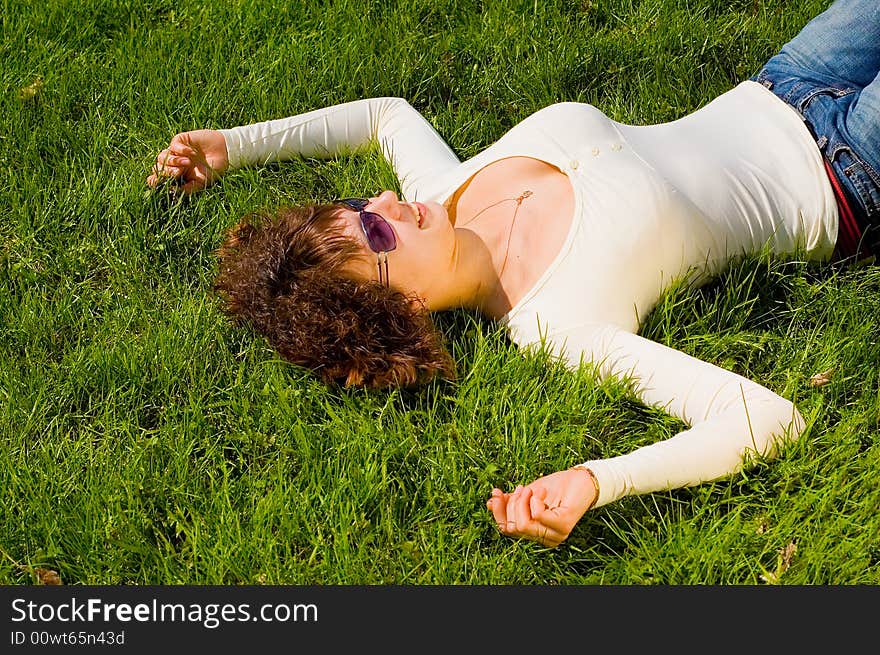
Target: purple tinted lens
380	236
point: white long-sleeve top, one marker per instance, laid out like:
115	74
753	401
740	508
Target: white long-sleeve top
651	204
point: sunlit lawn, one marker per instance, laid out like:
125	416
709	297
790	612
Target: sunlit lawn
148	441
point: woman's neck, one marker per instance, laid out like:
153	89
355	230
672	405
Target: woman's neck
506	232
483	263
476	282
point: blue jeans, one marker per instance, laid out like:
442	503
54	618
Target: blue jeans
830	74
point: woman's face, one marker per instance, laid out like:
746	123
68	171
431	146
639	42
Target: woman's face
425	254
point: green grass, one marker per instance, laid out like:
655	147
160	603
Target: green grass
147	441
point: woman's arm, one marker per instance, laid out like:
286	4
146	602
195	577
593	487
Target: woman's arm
413	147
415	150
730	418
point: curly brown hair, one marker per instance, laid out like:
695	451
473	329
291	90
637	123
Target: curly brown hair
284	274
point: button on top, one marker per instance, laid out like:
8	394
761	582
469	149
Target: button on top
595	152
616	146
574	163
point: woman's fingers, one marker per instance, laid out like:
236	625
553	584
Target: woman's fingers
168	158
510	519
155	178
170	162
557	517
180	160
174	160
498	505
536	503
165	170
550	537
180	145
164	162
514	516
522	511
534	509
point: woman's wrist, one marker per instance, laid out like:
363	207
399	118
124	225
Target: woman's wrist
595	481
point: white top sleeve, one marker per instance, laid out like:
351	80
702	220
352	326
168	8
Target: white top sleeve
730	416
413	147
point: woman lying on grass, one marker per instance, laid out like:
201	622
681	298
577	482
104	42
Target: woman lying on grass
567	230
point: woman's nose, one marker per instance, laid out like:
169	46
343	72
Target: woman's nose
386	204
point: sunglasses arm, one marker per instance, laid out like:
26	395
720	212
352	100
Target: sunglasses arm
383	259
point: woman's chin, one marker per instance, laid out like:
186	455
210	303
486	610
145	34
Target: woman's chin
435	212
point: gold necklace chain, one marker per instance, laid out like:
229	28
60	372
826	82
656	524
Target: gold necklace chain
519	200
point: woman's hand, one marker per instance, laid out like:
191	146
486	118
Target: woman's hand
547	509
194	159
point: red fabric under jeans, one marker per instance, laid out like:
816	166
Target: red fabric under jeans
849	234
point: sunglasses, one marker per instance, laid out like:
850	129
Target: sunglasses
380	235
